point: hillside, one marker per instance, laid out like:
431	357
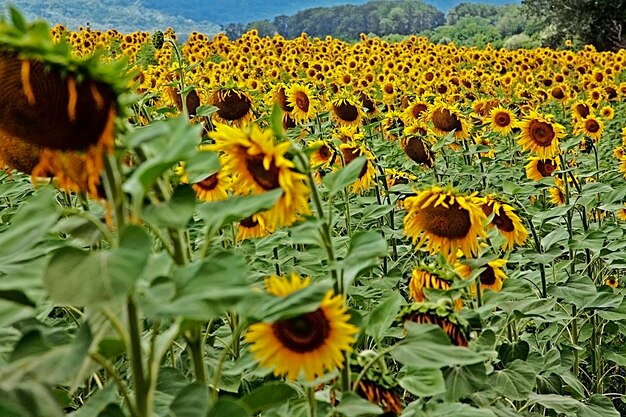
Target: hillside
185	16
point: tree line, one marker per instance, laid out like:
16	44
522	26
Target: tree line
532	23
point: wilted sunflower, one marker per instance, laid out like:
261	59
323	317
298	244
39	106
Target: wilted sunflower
301	100
506	221
346	111
379	394
417	149
490	278
261	165
590	126
540	135
447	118
441	314
234	106
425	276
311	343
367	176
501	120
445	222
539	168
378	385
61	106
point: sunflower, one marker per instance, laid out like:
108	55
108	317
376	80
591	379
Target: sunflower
580	110
234	106
310	343
252	227
491	277
501	120
367	176
300	98
213	187
61	106
539	168
416	149
415	111
540	135
261	166
621	213
557	193
607	112
445	222
385	397
392	124
590	126
612	281
278	96
506	221
324	154
395	177
441	314
447	118
424	276
346	111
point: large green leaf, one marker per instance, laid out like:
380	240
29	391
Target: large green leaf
174	213
338	180
515	382
352	405
363	254
597	406
218	213
205	290
463	381
427	346
380	319
268	396
82	278
191	401
422	382
29	400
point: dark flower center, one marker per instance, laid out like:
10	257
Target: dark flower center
488	276
282	100
417	151
418	109
592	126
209	183
346	111
450	223
546	167
249	222
541	133
304	333
446	121
265	178
302	101
232	106
502	119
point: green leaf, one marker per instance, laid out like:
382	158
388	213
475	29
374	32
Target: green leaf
191	401
365	249
173	140
559	236
338	180
269	308
597	406
81	278
98	402
175	213
463	381
458	410
225	407
427	346
268	396
200	166
509	352
30	225
422	382
29	399
515	382
380	319
206	290
218	213
577	290
352	405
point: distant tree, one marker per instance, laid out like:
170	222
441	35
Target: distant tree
282	24
234	30
601	23
486	11
264	27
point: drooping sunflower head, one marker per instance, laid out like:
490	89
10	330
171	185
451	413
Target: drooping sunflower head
278	96
234	106
346	111
300	98
59	104
539	168
252	227
540	134
308	344
417	150
447	118
445	222
431	277
501	120
323	155
580	110
491	277
367	175
441	314
505	219
395	177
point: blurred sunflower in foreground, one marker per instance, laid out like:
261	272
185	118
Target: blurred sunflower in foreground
311	343
57	111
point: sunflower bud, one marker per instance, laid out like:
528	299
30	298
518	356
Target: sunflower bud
158	39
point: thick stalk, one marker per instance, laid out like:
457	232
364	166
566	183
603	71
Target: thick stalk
310	396
143	396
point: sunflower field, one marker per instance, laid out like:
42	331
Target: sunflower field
308	227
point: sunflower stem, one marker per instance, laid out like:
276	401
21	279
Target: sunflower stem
121	385
310	396
113	188
479	296
574	334
542	271
276	264
140	379
194	342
